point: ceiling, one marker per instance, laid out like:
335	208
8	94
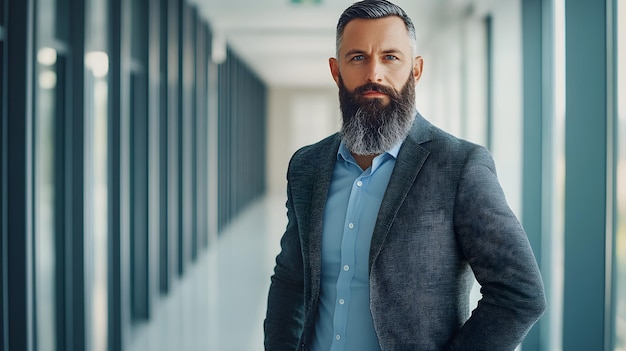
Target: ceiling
288	45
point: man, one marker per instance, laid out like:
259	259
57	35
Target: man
388	219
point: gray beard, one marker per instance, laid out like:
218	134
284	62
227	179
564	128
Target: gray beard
370	128
363	138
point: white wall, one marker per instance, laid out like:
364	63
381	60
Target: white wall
439	91
297	117
508	98
452	93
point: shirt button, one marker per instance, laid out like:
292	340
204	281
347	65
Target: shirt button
351	225
359	183
342	301
346	268
338	337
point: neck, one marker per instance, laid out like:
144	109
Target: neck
364	161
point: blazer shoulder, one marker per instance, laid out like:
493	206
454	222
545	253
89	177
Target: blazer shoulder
312	153
438	141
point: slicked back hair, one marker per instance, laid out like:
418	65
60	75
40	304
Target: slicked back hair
374	9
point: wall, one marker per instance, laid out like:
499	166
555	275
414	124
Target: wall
297	117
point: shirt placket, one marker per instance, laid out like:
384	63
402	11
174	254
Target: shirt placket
348	260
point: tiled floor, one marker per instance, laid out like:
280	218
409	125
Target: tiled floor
220	305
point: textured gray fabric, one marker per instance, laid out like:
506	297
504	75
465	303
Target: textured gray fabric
443	216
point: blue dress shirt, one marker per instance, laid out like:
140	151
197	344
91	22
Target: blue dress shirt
344	320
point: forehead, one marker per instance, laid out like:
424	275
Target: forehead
364	34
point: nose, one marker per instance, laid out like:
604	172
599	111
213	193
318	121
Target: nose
373	72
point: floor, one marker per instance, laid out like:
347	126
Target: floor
221	305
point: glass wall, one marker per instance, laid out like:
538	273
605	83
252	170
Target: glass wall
104	148
48	177
2	244
46	265
2	129
620	247
96	199
555	170
241	128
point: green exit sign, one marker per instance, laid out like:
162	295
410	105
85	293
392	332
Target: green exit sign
306	1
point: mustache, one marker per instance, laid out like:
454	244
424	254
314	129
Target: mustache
375	87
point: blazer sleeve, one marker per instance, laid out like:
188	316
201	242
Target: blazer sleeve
498	251
285	307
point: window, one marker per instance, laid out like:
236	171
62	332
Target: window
1	15
553	263
49	177
620	244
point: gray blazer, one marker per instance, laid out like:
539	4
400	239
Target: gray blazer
443	216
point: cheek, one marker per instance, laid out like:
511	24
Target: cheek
351	79
399	78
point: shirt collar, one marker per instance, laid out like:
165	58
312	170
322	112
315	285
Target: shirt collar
344	153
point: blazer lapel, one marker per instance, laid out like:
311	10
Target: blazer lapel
410	160
321	183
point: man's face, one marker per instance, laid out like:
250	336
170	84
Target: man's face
375	51
376	76
371	126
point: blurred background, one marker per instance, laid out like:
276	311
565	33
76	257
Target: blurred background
145	144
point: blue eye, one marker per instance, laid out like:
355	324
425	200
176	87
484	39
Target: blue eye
358	58
390	57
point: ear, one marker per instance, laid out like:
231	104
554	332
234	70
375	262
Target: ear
418	64
334	69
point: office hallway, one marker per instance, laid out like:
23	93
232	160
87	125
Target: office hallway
221	304
144	146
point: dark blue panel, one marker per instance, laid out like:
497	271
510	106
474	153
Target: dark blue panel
586	174
15	233
533	75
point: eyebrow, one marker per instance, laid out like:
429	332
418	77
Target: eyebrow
359	51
